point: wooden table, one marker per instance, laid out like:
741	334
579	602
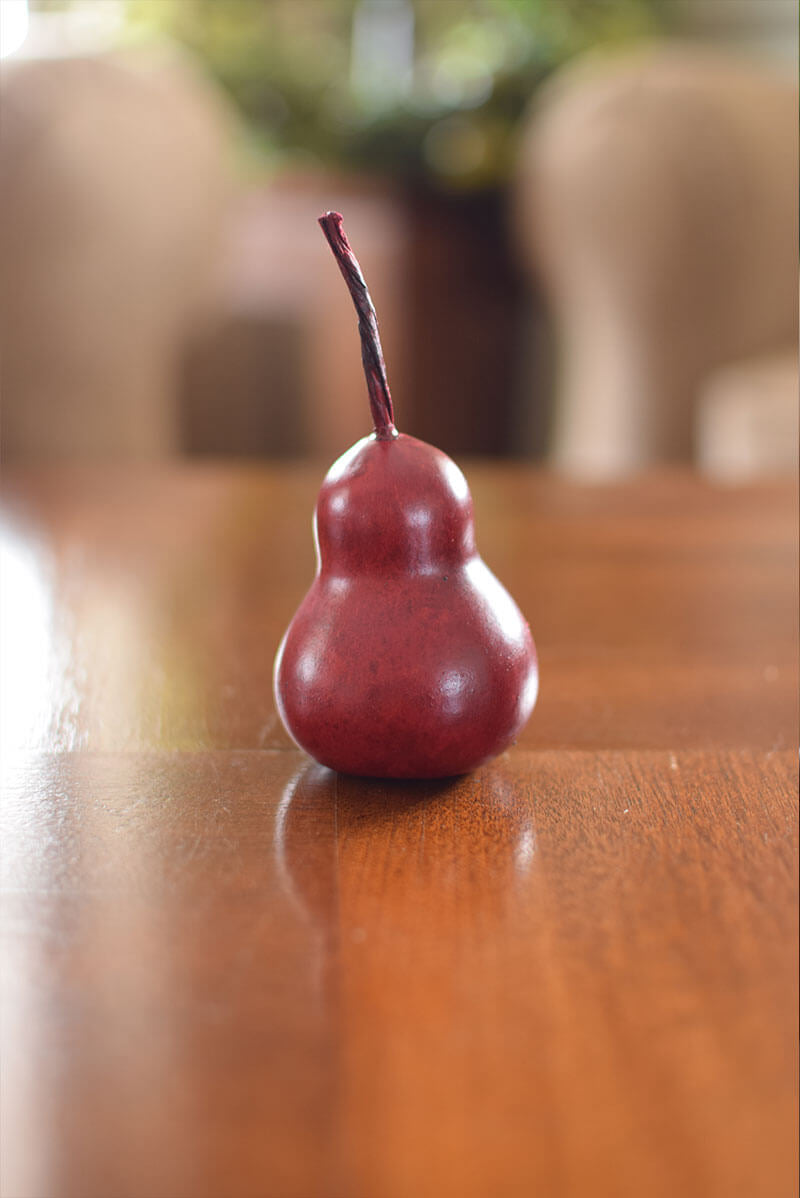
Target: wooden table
232	974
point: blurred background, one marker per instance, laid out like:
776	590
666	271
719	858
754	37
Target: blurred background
577	218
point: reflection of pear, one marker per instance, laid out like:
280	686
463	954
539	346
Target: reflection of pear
328	825
407	658
305	841
411	888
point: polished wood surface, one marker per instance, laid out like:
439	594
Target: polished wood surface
230	973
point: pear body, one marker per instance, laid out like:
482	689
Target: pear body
407	658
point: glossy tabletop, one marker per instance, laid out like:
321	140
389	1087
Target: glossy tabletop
231	974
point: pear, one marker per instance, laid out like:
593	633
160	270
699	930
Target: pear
407	658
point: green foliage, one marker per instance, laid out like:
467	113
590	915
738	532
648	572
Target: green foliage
291	69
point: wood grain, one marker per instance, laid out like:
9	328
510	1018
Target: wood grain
230	973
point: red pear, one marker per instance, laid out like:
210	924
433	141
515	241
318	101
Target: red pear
407	658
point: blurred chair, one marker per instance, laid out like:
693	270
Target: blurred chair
114	178
657	201
278	372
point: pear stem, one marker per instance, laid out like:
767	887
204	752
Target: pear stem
380	399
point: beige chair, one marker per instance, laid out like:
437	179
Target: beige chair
114	178
657	201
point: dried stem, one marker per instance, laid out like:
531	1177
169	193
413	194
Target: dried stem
380	399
